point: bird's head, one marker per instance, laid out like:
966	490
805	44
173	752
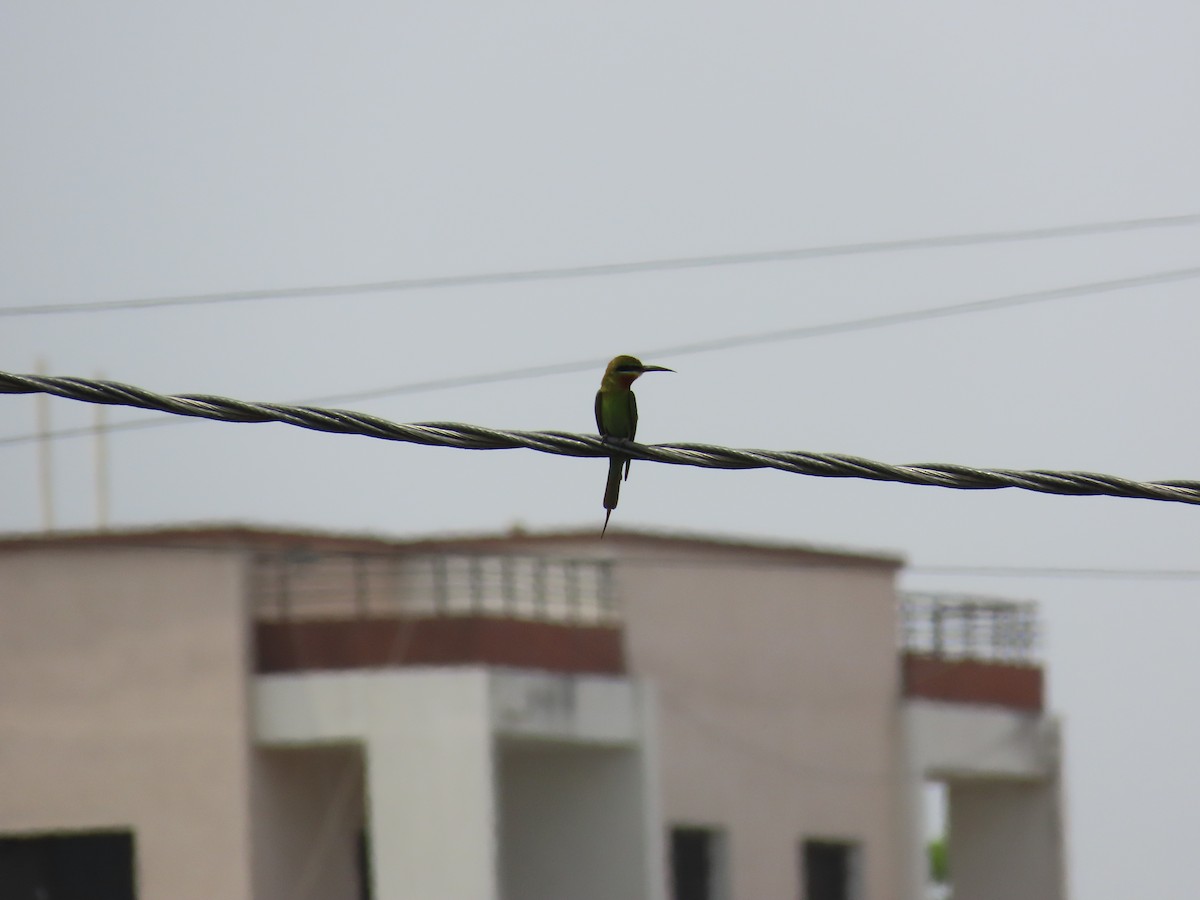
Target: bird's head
626	370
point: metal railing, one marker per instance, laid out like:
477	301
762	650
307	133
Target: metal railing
294	585
956	626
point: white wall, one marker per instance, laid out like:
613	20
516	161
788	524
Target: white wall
1002	771
571	799
572	823
954	740
1005	840
430	789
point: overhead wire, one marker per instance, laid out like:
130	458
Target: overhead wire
999	571
306	875
1139	574
602	269
778	335
474	437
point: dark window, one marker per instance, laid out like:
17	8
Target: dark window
90	866
829	870
697	864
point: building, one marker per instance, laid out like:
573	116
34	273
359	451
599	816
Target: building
242	713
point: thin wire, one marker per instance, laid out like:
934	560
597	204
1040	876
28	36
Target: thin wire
1058	572
474	437
763	337
1003	571
604	269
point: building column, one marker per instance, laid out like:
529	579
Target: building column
433	754
1006	840
913	847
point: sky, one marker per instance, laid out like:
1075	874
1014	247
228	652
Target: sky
176	149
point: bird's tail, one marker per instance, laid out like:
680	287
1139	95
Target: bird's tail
612	490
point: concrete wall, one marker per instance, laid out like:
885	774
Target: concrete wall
778	689
123	704
1002	770
945	741
123	683
480	783
1005	840
572	823
308	814
427	743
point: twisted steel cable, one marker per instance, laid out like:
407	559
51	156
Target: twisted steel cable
475	437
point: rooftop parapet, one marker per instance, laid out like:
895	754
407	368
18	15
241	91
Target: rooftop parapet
331	610
968	649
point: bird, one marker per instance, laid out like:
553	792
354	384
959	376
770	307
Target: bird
617	418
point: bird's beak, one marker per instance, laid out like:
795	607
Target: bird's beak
656	369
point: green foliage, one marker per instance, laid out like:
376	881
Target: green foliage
939	866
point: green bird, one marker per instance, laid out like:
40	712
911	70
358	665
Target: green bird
617	417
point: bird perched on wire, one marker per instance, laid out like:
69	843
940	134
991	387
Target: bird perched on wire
617	418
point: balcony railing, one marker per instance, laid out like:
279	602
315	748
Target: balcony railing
965	627
294	586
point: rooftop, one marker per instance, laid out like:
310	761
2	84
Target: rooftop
239	535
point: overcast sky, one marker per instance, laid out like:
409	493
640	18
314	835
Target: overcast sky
174	149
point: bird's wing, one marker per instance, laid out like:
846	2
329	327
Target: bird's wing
599	411
632	428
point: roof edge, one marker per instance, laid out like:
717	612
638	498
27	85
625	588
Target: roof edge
235	535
